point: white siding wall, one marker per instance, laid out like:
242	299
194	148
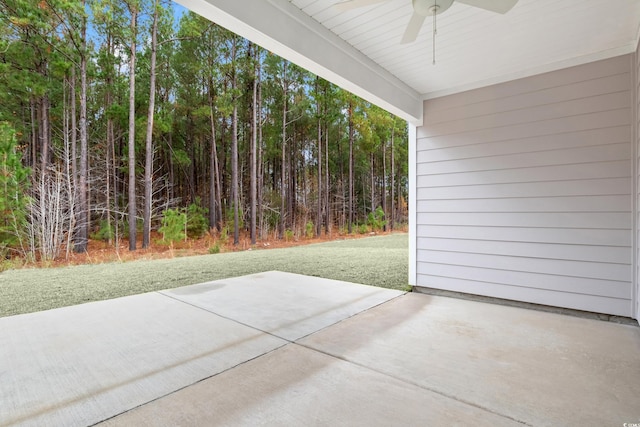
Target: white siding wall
525	189
637	172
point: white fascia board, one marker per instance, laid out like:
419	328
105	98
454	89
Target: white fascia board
285	30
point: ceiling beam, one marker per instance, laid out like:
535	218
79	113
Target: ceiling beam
285	30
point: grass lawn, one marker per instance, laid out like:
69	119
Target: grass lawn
379	261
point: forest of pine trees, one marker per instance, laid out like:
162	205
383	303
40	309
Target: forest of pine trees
118	109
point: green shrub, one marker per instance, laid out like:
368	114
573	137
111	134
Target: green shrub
197	221
309	232
174	225
14	182
229	216
362	229
224	235
106	231
376	220
215	249
8	264
288	235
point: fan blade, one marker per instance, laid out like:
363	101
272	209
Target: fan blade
354	4
413	29
498	6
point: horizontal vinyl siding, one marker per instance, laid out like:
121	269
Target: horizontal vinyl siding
525	190
636	81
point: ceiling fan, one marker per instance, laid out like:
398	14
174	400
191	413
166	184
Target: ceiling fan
424	8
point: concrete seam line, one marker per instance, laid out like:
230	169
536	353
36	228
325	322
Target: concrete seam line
349	317
225	317
192	384
433	390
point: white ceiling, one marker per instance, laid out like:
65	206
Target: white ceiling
475	47
360	50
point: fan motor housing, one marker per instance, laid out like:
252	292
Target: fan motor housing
431	7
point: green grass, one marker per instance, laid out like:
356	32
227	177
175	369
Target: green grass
379	261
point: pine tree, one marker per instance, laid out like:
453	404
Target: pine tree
14	182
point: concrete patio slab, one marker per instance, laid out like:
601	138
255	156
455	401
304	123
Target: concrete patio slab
283	349
287	305
83	364
295	386
539	368
79	365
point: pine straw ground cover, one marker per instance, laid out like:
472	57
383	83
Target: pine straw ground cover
379	261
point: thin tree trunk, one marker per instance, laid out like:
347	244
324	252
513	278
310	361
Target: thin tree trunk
260	183
283	192
83	213
192	164
132	132
290	220
351	184
254	149
172	173
110	140
373	188
148	164
116	203
393	183
218	189
327	207
67	163
319	207
234	176
213	164
108	171
74	129
33	112
341	191
384	183
234	148
44	134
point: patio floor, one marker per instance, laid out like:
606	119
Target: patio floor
284	349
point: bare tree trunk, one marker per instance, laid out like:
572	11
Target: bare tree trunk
67	164
319	207
384	183
213	166
83	206
172	173
218	190
254	149
148	164
33	110
290	219
110	141
114	173
327	207
234	176
74	129
393	183
283	167
234	148
341	191
132	131
44	134
192	164
351	184
373	187
260	183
